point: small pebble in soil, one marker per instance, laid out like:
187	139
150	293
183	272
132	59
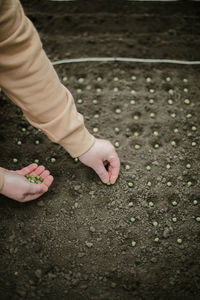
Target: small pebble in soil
151	204
133	244
15	160
130	204
187	101
95	101
37	142
179	241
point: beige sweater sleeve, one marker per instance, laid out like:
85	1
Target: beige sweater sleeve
29	80
1	180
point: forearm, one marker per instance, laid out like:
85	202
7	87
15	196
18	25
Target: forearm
28	78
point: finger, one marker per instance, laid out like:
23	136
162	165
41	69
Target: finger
44	174
27	170
48	181
114	168
38	171
102	172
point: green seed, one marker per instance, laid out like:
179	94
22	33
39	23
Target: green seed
132	102
189	183
194	128
37	142
195	202
189	116
135	117
118	111
130	184
32	181
79	91
96	116
15	160
76	159
173	115
137	147
148	79
168	79
152	115
151	91
65	79
95	101
155	133
156	239
175	130
185	80
98	90
170	101
148	168
173	143
117	144
156	146
116	130
155	223
133	92
194	144
132	219
187	101
174	219
108	183
174	203
136	133
130	204
79	101
99	78
115	89
53	160
169	183
23	129
127	167
171	92
185	90
115	78
149	183
81	80
188	166
168	166
36	161
179	241
198	219
151	204
151	101
133	77
95	129
133	243
19	142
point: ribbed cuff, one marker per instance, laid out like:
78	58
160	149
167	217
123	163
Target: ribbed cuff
1	180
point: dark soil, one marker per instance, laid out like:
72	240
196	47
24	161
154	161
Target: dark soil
75	242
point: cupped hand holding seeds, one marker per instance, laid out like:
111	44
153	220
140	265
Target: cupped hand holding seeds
100	155
18	187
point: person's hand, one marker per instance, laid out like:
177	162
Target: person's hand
103	159
18	188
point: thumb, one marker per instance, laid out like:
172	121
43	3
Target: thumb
101	172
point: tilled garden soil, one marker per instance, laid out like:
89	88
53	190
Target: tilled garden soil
138	239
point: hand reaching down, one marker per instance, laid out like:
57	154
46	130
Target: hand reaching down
18	188
100	155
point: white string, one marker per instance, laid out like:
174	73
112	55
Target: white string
124	59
